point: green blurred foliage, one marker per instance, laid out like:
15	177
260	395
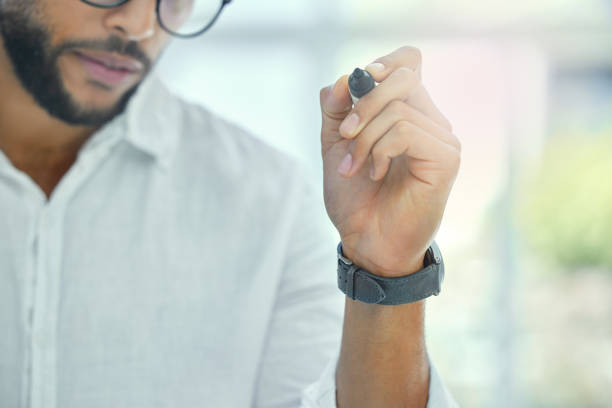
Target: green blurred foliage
564	203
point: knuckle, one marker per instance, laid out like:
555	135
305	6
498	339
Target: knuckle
408	77
454	162
404	127
399	107
407	72
383	60
376	152
359	149
453	140
363	144
413	52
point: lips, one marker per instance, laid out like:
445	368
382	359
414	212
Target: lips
113	61
109	69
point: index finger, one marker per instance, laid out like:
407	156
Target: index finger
419	99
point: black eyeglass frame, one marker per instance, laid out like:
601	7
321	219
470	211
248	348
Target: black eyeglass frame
159	19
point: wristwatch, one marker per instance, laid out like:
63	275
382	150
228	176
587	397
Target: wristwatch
360	284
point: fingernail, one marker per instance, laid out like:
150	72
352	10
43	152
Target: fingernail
375	67
350	124
372	172
346	164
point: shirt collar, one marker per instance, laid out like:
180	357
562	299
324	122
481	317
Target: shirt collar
152	120
149	123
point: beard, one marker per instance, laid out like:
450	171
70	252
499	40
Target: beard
35	63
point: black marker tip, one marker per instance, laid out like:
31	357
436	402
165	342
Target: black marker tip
360	83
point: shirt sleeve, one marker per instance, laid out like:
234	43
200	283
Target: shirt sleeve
305	326
322	393
298	365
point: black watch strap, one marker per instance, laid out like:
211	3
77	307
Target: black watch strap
359	284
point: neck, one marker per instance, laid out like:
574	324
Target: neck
35	143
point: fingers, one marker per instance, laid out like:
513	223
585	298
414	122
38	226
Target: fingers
406	138
394	112
399	97
406	56
336	100
399	85
409	57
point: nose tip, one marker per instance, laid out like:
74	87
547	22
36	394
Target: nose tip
146	34
134	20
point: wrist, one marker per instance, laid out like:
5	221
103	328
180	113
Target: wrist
408	267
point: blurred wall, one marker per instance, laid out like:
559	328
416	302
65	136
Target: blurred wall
514	326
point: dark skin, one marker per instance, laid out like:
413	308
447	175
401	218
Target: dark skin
44	147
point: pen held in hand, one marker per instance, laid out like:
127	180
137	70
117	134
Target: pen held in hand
360	83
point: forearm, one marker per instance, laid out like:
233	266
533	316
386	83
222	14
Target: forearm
383	360
386	220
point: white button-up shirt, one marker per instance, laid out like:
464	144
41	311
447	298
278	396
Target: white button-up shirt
180	262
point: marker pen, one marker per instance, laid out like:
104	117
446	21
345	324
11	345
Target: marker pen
360	83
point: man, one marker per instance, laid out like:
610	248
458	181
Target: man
154	255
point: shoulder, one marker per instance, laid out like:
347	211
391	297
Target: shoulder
223	150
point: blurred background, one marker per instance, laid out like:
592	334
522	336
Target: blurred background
525	316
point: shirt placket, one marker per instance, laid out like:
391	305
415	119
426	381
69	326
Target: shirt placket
44	293
33	200
44	312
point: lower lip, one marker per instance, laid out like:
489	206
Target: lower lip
101	73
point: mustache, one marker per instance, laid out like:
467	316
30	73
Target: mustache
112	44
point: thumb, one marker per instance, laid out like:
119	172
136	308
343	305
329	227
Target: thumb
336	101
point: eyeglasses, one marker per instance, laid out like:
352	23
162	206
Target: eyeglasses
181	18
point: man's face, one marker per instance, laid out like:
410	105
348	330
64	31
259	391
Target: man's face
80	63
